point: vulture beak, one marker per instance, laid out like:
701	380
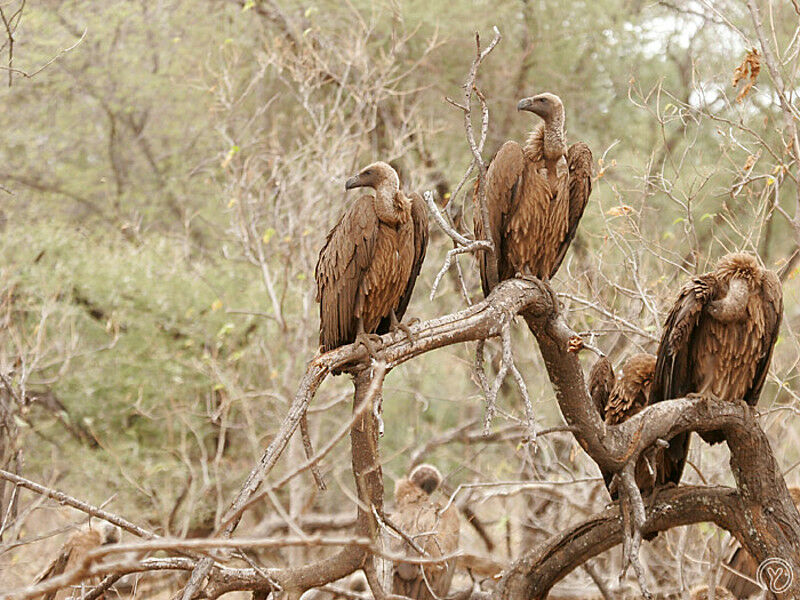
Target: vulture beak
525	104
353	182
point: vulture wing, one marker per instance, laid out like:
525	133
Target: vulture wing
601	382
343	260
502	181
419	215
436	532
772	301
579	161
673	375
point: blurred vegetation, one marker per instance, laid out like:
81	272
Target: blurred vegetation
167	184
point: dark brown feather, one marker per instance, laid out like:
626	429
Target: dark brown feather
343	262
718	340
502	181
535	197
371	259
629	395
419	216
601	382
579	162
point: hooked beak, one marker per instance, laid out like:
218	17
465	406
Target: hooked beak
525	104
353	182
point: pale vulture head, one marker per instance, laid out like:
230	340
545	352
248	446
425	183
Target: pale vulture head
547	106
378	175
426	477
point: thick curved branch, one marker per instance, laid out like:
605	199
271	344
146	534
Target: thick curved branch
535	573
773	523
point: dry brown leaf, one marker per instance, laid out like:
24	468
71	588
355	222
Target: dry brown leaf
748	70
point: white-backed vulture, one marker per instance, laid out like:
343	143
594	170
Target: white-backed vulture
718	340
720	593
72	553
371	259
620	397
740	561
535	196
434	530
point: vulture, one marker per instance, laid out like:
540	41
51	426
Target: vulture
740	561
72	553
434	530
618	399
535	196
720	593
717	341
370	261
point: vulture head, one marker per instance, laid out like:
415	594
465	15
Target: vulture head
109	534
547	106
426	477
742	275
639	370
379	176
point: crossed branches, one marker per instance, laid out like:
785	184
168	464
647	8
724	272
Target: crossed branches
761	514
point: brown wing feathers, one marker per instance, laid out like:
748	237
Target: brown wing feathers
435	530
371	259
419	216
618	399
579	162
535	197
343	261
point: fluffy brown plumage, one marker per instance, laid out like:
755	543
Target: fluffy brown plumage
619	398
720	593
535	195
436	531
718	340
740	561
371	259
72	553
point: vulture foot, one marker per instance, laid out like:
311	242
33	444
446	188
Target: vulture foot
526	274
371	341
702	396
396	325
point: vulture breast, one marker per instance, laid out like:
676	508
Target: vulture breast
726	355
386	278
539	221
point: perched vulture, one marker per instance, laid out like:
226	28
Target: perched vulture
72	553
371	259
718	340
433	529
720	593
740	561
535	196
618	399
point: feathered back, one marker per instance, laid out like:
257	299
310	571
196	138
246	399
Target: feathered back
434	530
701	593
72	553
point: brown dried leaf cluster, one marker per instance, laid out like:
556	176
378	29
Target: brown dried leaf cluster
748	70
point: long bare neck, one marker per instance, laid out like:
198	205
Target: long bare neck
391	204
555	145
547	141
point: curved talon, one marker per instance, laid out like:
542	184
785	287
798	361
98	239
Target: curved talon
372	342
395	325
